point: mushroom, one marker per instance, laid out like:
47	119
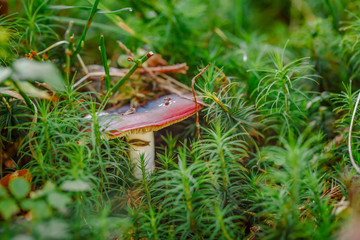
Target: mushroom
138	125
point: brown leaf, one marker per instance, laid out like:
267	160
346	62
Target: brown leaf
156	60
24	173
10	164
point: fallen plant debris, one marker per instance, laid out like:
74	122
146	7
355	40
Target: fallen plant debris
24	173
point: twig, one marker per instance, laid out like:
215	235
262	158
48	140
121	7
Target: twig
163	83
176	82
177	68
123	47
52	46
82	64
194	94
102	73
357	169
96	74
172	89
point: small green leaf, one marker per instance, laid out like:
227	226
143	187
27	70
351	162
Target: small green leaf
65	7
48	187
123	61
32	91
42	71
27	204
54	229
8	208
23	237
19	187
41	209
115	11
4	73
75	186
58	200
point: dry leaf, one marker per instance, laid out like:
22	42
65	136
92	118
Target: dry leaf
24	173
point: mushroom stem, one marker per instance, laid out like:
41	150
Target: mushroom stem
142	144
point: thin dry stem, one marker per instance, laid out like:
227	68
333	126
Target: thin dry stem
85	69
176	68
52	46
357	169
176	82
97	74
196	103
123	47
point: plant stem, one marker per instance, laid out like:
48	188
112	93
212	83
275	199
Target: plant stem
69	51
222	224
105	63
356	167
80	44
194	94
188	201
333	14
223	168
286	93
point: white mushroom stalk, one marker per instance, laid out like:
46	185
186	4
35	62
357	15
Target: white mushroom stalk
142	146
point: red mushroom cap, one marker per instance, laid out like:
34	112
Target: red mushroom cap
153	116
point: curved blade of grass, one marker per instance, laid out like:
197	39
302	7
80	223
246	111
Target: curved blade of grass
115	11
83	35
357	169
65	7
121	23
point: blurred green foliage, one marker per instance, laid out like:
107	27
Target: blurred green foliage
272	161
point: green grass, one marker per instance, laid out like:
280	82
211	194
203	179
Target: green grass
272	161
